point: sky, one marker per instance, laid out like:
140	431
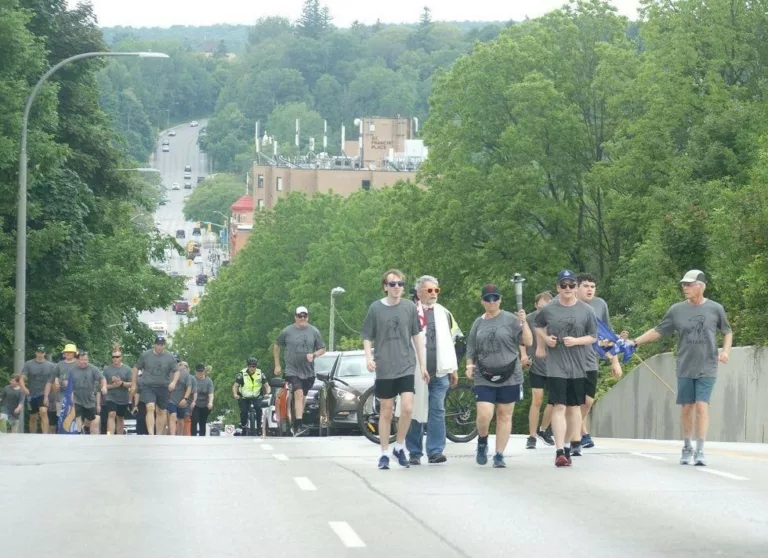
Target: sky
164	13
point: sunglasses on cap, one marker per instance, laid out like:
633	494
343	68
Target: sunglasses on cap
436	290
492	298
396	283
567	285
302	315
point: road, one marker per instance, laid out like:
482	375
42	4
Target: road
170	217
324	497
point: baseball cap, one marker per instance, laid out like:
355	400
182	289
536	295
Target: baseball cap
159	340
302	310
694	275
69	348
200	367
566	274
40	348
489	290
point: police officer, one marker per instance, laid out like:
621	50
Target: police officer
247	390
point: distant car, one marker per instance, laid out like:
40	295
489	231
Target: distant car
172	133
201	279
175	186
187	168
200	179
129	426
174	274
187	185
160	328
198	259
163	201
166	142
181	306
194	123
166	148
195	231
180	233
188	175
338	398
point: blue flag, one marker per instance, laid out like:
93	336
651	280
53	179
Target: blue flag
67	422
609	344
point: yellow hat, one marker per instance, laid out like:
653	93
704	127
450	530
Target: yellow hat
69	348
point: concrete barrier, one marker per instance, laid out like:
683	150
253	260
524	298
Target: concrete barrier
639	406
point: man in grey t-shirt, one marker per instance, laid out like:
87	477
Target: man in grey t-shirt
160	377
696	321
566	328
119	378
303	344
38	373
391	327
85	377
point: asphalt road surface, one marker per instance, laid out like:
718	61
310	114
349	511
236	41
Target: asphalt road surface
129	496
170	217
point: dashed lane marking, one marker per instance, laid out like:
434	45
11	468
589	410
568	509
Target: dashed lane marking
348	537
304	483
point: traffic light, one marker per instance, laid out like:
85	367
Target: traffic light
209	227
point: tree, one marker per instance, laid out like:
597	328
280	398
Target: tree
213	196
314	20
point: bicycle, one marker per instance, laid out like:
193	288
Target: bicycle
252	427
460	415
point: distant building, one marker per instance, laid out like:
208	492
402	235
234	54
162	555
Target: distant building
384	153
240	224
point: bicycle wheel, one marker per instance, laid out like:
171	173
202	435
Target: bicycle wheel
368	417
460	415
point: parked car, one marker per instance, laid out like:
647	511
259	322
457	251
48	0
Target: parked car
194	123
172	133
181	306
129	426
187	168
195	231
187	185
338	398
160	328
180	233
201	279
175	186
200	179
166	148
188	175
163	201
166	142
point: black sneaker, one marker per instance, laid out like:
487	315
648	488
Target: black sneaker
531	443
438	458
401	459
546	436
301	431
575	451
414	459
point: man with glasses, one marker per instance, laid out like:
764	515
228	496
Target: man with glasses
696	321
392	328
249	385
566	327
303	344
118	377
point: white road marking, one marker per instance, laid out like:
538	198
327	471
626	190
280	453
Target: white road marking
648	455
346	534
304	483
266	447
721	474
280	456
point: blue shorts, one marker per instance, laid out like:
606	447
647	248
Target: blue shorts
180	412
501	394
691	390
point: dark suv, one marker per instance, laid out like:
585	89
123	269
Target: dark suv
201	279
187	168
180	233
181	306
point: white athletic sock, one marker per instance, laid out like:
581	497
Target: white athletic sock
398	446
385	453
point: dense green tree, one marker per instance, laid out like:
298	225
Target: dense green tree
213	197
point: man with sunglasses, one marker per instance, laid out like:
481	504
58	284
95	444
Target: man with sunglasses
118	377
566	327
303	344
696	321
392	328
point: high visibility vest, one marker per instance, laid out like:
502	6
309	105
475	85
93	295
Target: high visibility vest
251	384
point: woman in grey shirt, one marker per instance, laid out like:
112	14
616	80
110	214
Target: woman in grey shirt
493	360
204	402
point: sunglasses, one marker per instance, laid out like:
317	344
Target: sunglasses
302	315
396	283
492	298
116	356
688	284
436	290
567	285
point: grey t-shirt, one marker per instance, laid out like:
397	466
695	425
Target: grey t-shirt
298	343
117	395
184	382
158	368
36	375
697	326
12	398
204	389
567	321
61	372
601	312
538	365
495	343
391	329
84	380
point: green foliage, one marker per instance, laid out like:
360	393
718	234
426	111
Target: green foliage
213	197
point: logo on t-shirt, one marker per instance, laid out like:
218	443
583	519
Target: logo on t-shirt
696	332
393	328
490	344
566	327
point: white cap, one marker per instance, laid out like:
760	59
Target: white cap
693	276
302	310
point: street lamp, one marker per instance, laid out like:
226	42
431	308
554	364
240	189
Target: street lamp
19	332
334	293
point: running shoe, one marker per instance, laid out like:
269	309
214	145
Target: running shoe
300	432
586	441
562	461
546	436
415	459
687	456
438	458
402	460
384	462
576	451
530	443
482	454
699	459
498	461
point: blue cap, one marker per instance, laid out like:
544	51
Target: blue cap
566	274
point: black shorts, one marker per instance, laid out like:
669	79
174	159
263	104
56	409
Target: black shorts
389	389
568	392
503	395
537	381
36	403
53	418
117	408
591	383
159	395
85	413
303	384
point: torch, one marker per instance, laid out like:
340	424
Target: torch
518	280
